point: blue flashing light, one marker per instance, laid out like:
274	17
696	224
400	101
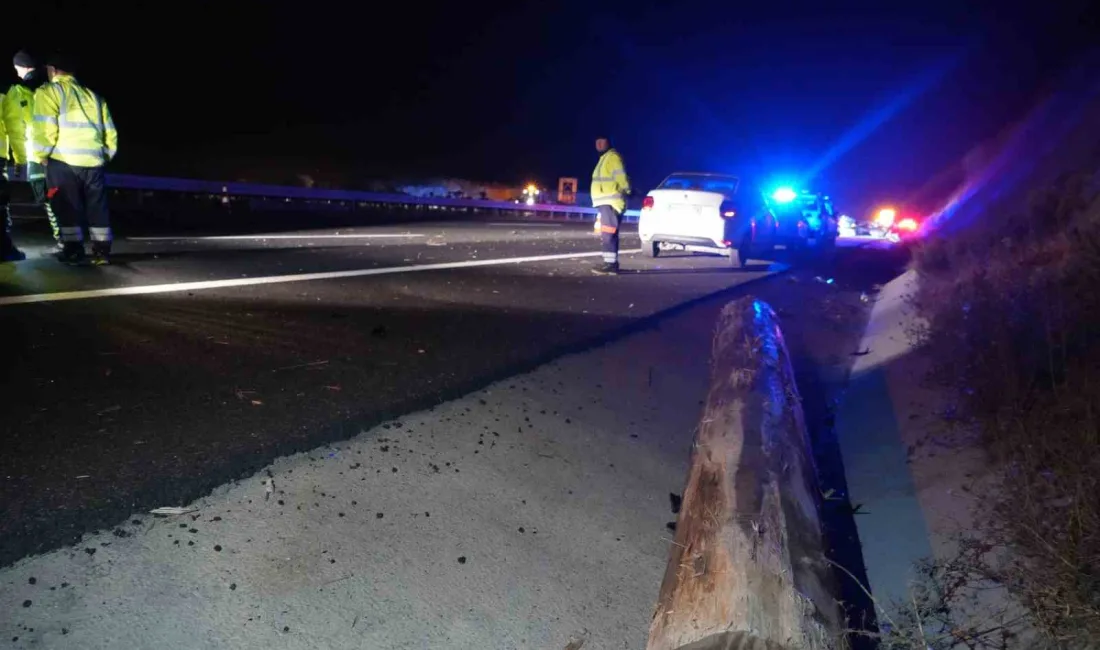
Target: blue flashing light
784	195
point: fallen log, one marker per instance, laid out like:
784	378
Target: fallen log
747	569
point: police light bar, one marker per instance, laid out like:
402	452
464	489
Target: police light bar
784	195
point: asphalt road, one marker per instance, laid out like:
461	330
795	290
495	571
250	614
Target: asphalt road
197	360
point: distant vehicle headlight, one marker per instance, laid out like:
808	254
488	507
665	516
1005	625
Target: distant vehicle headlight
907	224
885	217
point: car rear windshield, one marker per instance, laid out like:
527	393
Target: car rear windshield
701	183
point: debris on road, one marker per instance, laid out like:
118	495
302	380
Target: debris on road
172	510
577	641
312	364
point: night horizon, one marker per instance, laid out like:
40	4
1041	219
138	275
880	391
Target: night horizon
874	102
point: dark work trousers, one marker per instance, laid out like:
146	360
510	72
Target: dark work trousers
36	177
6	243
609	233
80	202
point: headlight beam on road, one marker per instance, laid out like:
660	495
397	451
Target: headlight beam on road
176	287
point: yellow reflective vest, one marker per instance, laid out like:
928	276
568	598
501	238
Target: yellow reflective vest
18	111
610	184
3	140
71	124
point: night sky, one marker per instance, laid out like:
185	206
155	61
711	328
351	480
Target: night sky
874	97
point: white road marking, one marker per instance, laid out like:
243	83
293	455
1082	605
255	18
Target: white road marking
520	224
238	237
7	301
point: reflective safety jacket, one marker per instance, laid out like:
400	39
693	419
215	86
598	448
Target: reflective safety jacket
3	141
610	184
17	110
71	124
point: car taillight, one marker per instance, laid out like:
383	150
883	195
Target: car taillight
647	203
908	224
727	210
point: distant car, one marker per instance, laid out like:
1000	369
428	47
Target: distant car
888	223
849	227
895	226
721	214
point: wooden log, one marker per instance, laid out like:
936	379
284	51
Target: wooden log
747	569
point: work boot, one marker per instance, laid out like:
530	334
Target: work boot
8	250
73	254
606	269
12	254
101	254
9	253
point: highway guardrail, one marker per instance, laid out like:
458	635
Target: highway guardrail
353	198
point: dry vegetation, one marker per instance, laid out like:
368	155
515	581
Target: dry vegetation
1013	305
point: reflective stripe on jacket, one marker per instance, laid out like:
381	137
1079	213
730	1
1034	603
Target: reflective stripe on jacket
609	182
71	124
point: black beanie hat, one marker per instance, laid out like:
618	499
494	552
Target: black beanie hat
24	60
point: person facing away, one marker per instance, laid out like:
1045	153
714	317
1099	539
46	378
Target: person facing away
73	136
18	114
610	187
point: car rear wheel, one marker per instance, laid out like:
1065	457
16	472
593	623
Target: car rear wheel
651	248
739	256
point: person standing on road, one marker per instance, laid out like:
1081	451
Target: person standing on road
18	114
74	136
8	251
610	187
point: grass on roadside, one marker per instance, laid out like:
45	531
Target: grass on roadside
1013	312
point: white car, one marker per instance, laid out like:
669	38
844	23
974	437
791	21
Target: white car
719	214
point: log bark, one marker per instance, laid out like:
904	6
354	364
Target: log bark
747	568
